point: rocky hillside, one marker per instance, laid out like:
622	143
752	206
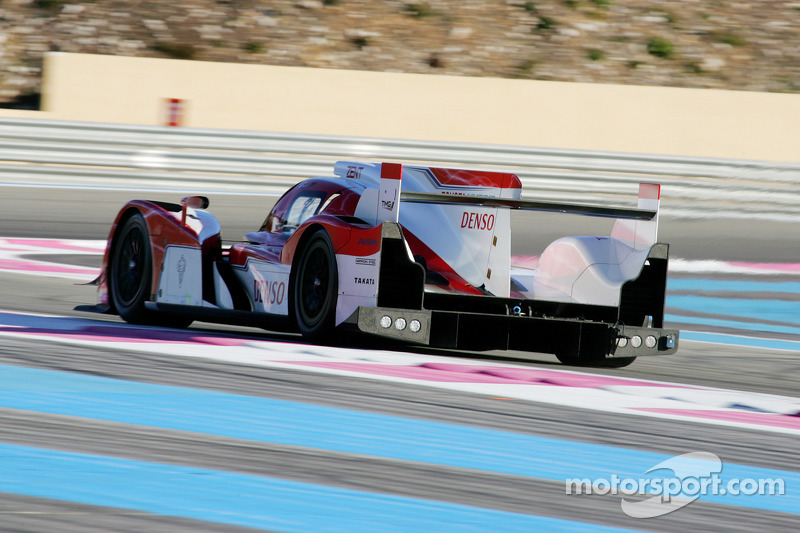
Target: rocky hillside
745	45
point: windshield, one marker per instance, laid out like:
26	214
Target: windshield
304	207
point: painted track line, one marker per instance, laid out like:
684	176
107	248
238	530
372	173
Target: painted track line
17	256
247	500
691	311
320	427
560	387
677	265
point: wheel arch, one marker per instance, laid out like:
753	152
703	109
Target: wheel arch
157	215
129	210
300	243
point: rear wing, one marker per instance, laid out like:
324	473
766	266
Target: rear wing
531	205
465	233
471	188
638	227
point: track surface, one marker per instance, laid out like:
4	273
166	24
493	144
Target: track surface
86	215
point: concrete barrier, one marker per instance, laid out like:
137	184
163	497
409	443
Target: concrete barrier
651	120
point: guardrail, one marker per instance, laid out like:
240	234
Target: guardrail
36	151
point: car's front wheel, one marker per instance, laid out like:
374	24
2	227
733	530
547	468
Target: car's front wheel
315	287
131	269
131	274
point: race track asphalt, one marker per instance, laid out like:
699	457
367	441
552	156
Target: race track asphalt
86	214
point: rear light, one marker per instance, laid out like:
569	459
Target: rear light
669	341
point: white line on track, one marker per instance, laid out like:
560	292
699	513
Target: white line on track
17	252
589	391
614	394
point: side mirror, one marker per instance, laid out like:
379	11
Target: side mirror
195	202
274	224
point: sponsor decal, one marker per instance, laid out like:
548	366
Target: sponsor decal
479	221
271	292
470	193
368	242
388	205
354	172
180	281
364	281
365	261
181	266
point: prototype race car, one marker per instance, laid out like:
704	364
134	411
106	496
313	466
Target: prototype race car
418	254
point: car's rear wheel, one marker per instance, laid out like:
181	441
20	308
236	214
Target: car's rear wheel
615	362
315	287
131	275
572	355
567	357
131	270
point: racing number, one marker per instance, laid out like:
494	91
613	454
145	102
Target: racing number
271	293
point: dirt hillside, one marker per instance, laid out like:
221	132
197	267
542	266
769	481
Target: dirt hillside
746	45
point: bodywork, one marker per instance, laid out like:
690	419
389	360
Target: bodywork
419	246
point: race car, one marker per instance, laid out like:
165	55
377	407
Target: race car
416	254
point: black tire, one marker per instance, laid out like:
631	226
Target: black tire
131	270
571	355
597	362
567	357
616	362
315	287
131	276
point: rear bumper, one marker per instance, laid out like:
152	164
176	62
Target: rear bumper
476	331
633	342
402	324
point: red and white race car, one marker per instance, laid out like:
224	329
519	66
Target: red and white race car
412	253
